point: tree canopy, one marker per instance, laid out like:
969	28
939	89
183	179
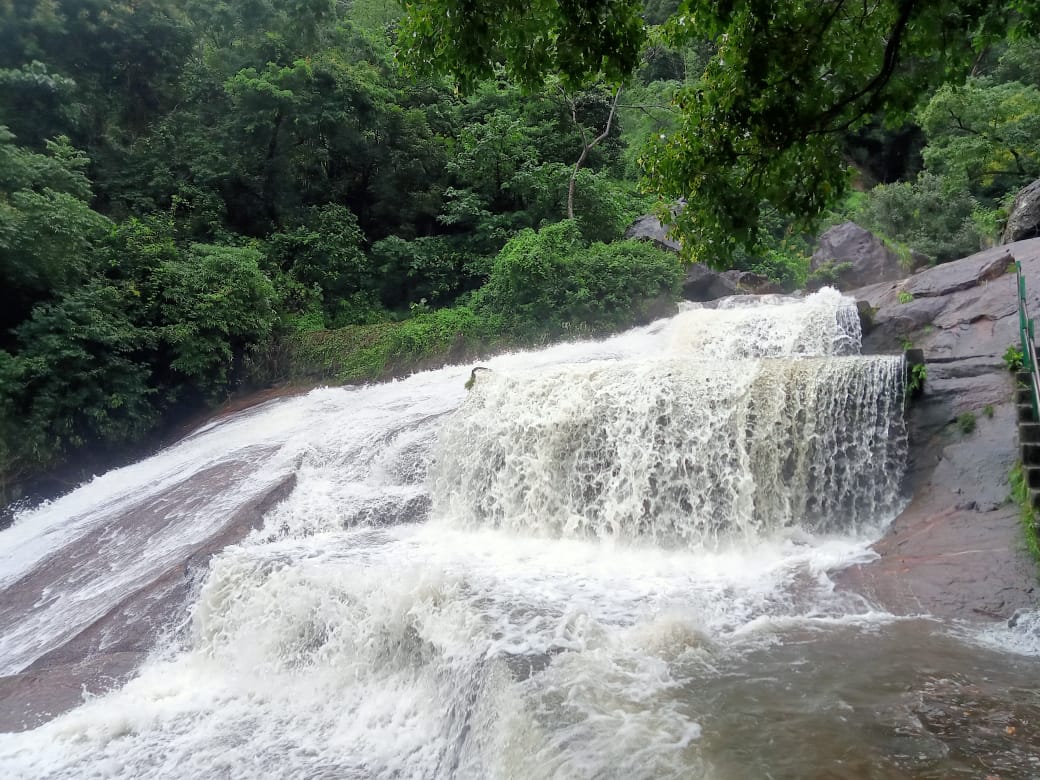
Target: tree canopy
764	122
197	196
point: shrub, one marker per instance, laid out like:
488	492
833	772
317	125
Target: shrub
787	268
215	303
1027	516
371	352
75	380
929	215
917	377
1013	358
427	268
966	422
552	282
828	274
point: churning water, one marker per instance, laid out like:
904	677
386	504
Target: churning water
608	560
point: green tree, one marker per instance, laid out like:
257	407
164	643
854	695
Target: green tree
786	80
577	40
985	136
35	104
47	228
931	215
124	58
76	378
214	305
553	281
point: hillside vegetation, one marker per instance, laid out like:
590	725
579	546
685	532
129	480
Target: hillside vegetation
201	196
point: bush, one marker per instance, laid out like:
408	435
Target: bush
542	285
427	268
1020	494
827	274
323	253
966	422
1013	358
551	282
930	215
215	304
784	267
75	379
372	352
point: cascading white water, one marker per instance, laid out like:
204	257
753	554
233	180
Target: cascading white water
615	527
749	421
676	450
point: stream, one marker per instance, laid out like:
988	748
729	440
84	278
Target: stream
608	559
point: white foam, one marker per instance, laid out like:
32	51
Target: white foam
1021	637
350	637
372	652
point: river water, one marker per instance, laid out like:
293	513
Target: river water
607	560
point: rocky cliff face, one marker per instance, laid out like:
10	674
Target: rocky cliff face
957	548
1024	220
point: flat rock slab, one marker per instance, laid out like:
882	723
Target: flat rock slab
949	278
957	550
105	653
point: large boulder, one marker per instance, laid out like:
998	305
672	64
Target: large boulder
1024	220
703	284
856	257
649	228
956	549
750	283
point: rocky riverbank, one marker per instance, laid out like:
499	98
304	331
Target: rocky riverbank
957	549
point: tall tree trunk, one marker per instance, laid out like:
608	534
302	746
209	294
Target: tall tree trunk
586	146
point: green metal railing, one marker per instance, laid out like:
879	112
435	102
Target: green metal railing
1026	334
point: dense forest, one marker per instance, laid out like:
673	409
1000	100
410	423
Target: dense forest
197	197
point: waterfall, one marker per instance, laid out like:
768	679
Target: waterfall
557	574
748	423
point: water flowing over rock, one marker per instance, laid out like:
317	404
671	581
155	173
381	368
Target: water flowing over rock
607	559
677	451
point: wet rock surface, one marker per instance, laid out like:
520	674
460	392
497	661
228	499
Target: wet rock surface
701	284
957	548
105	653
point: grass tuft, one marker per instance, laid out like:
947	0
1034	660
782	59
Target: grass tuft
1027	514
